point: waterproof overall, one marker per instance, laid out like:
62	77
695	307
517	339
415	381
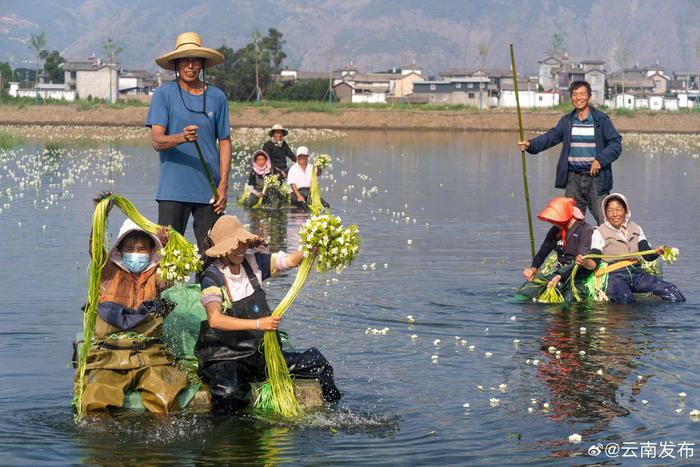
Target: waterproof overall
229	361
140	363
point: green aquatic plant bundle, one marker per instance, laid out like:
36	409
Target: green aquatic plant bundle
178	259
322	161
551	295
324	238
274	181
670	255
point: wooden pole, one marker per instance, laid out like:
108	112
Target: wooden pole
522	153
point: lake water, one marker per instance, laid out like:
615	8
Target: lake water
444	240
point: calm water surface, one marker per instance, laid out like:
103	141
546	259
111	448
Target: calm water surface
453	270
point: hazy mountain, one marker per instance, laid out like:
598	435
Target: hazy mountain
374	34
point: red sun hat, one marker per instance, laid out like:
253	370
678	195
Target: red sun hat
560	210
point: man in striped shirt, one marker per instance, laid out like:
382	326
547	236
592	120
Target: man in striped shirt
590	146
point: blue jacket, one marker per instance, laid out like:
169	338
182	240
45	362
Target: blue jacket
608	144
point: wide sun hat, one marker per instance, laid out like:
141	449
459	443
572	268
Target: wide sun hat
227	235
189	45
302	151
277	127
560	210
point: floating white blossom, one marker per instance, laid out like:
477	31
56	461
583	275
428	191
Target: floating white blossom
410	319
575	438
552	349
645	402
682	395
494	402
582	329
472	348
503	387
414	337
488	354
465	405
436	342
516	341
582	353
599	372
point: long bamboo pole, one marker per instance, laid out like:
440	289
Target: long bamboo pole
522	153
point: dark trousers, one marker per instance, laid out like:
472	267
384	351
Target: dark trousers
177	214
229	381
582	187
624	282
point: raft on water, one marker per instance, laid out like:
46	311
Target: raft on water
180	333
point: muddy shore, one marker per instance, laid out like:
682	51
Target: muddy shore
353	119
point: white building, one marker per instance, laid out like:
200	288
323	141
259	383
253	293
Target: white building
43	91
656	102
625	101
528	99
92	79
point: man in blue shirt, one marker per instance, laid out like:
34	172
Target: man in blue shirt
182	112
590	146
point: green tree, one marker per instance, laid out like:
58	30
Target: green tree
307	90
558	46
273	44
52	70
237	75
37	42
112	50
5	77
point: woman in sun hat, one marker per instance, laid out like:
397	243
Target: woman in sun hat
230	344
278	149
569	237
184	111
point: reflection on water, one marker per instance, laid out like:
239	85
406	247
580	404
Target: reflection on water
444	240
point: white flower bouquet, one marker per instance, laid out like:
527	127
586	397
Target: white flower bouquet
322	161
334	245
178	259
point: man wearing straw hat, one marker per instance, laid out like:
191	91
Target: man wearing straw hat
187	116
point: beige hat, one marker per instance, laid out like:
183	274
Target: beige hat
189	45
277	127
227	234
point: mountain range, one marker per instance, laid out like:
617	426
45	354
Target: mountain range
373	35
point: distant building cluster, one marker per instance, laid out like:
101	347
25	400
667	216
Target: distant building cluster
95	79
650	87
646	87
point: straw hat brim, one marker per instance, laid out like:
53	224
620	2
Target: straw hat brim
225	247
284	131
211	57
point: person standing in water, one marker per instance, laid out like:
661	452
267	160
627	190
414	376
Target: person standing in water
183	112
590	145
278	150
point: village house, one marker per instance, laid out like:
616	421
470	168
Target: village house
492	89
351	86
134	83
92	79
557	72
42	91
529	94
459	91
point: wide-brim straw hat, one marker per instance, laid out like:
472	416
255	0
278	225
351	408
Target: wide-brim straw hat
189	45
277	127
560	210
228	234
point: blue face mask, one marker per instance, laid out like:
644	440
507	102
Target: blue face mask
136	262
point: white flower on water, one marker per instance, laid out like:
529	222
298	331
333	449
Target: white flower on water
599	372
529	409
582	329
602	329
682	395
410	319
479	387
535	362
465	405
516	341
575	438
472	348
463	342
527	362
494	402
582	353
513	318
414	337
695	415
503	387
435	358
488	354
545	406
436	342
679	410
552	349
645	402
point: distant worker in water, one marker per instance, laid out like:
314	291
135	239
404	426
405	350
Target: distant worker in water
261	168
618	235
570	237
590	144
299	179
278	149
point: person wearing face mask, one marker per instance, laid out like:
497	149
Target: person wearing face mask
618	235
278	150
230	343
127	352
570	236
